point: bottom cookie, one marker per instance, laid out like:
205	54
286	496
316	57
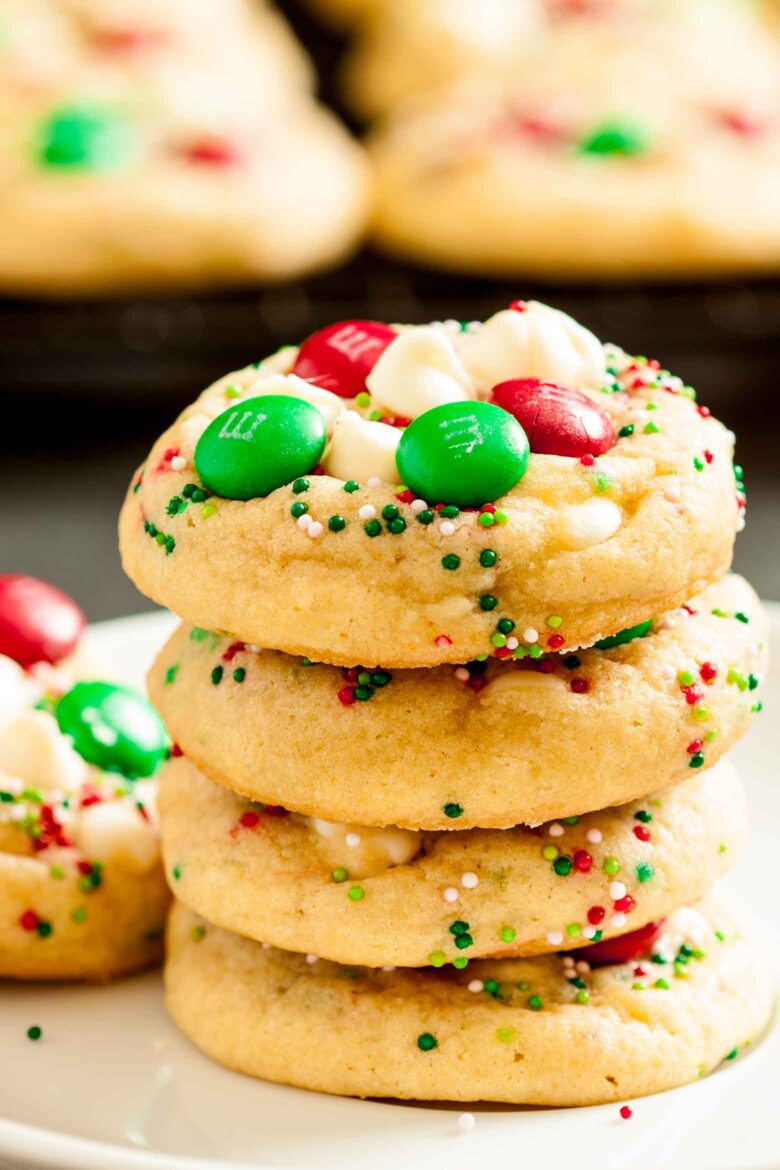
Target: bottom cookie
540	1031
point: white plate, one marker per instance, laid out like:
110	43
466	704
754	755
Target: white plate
112	1086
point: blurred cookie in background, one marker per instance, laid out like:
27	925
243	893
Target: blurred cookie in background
343	13
165	146
644	159
411	48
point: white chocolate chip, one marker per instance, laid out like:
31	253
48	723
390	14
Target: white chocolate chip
329	405
588	524
362	450
115	830
420	369
540	342
523	680
33	748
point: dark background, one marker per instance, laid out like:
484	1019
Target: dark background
86	387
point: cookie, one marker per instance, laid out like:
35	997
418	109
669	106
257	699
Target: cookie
82	885
440	539
535	1031
700	48
389	896
148	156
563	177
490	744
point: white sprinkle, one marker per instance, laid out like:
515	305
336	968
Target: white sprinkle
617	921
367	512
178	463
461	674
583	967
668	672
555	938
312	959
446	528
589	932
353	840
314	529
451	894
469	881
374	481
568	961
594	836
476	985
530	635
556	830
466	1122
418	506
672	493
512	643
616	891
388	968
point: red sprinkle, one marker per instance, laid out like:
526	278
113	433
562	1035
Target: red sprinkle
555	641
626	1112
587	460
709	456
704	411
443	640
406	497
693	695
624	905
641	832
543	665
233	649
176	752
503	652
518	306
580	686
694	746
249	820
596	915
347	696
214	152
708	672
29	921
582	860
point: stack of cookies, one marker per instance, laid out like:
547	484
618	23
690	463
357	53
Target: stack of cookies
460	665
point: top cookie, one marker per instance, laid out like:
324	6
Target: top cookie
370	497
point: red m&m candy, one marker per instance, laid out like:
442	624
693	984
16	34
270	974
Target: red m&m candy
341	357
557	420
38	623
625	947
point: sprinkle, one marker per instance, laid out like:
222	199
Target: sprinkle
469	881
178	463
617	921
374	481
426	1041
476	985
446	528
314	529
536	1003
304	521
312	959
353	840
466	1122
367	512
437	958
594	836
617	890
556	830
356	893
555	938
626	1112
340	874
530	635
450	894
507	934
453	810
451	562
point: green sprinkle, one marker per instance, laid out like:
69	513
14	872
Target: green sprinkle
390	512
742	617
35	1033
611	865
507	934
372	528
645	871
535	1003
44	929
498	640
356	893
340	874
562	866
216	675
426	1042
451	562
615	138
460	963
500	516
57	873
729	1055
644	816
554	621
550	852
397	526
696	760
662	984
426	516
298	509
453	810
170	674
488	558
651	428
582	997
462	941
603	483
487	519
506	1035
697	463
363	399
176	873
336	523
488	602
574	929
449	512
79	915
459	927
506	625
351	486
198	933
239	674
300	485
685	678
626	431
437	958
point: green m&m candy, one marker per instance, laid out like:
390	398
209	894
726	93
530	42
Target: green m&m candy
464	453
259	445
84	138
624	636
622	138
113	728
